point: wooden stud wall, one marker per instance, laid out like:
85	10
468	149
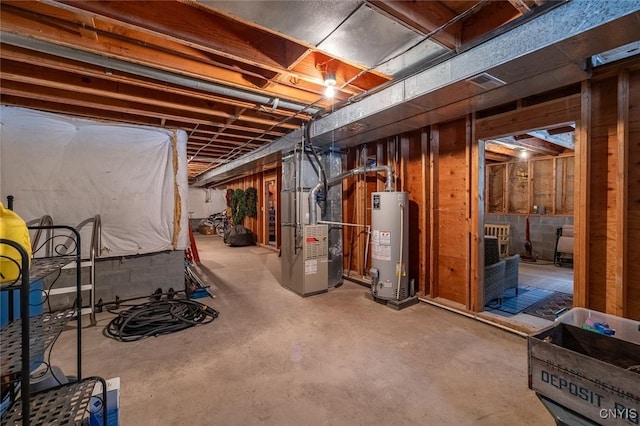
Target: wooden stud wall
441	166
451	199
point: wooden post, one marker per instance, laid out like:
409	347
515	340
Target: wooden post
581	201
434	222
476	214
425	213
616	305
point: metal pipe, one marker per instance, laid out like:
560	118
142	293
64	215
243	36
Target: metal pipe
399	272
307	139
149	72
313	214
473	316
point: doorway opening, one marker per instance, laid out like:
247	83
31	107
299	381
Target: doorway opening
270	208
528	224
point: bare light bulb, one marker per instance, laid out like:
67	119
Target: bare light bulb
329	91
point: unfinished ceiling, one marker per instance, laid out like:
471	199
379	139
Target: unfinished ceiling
235	75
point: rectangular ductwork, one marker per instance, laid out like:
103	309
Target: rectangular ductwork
542	54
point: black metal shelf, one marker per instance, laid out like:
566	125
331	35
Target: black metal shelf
40	268
43	331
63	405
23	342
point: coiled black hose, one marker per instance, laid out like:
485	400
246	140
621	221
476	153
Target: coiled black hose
157	318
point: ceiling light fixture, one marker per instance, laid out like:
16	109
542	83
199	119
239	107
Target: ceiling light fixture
330	84
524	154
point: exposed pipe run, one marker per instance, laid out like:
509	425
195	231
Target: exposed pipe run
473	316
313	213
145	71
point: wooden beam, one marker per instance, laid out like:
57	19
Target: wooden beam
490	156
496	148
63	64
520	5
538	145
490	16
616	304
425	17
69	82
545	115
565	140
254	70
144	49
199	27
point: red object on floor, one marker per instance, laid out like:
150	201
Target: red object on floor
192	250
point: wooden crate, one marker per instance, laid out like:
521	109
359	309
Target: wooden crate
587	373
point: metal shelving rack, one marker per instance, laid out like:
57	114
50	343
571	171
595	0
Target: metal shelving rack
23	338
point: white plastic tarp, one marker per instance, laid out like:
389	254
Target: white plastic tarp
72	169
204	202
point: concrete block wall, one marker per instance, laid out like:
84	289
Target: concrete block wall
542	232
125	277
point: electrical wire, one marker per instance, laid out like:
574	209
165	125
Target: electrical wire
157	318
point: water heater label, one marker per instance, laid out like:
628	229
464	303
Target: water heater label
381	252
376	201
385	238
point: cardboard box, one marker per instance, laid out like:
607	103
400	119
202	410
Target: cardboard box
113	404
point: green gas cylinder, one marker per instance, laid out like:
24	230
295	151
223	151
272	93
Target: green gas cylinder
13	228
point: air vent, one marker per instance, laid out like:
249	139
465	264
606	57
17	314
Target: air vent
486	81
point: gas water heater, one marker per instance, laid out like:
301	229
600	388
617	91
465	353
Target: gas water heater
389	246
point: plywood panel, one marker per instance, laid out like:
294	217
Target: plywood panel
452	278
632	302
452	227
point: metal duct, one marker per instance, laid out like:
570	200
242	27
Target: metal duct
542	54
145	71
313	209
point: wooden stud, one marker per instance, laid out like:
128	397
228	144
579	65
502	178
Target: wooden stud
616	305
582	188
434	221
476	216
425	212
475	213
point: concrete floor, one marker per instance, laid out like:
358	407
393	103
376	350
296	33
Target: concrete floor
274	358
